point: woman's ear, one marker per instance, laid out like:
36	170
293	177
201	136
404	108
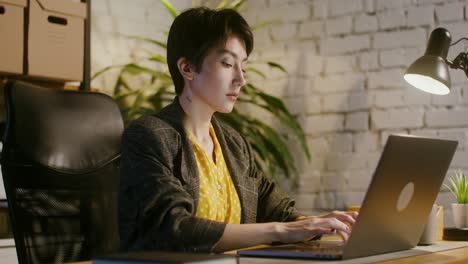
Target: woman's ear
185	68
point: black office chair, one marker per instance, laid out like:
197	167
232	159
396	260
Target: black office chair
59	162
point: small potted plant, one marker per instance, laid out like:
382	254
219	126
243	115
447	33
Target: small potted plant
459	187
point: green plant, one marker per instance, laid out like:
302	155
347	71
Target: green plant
271	149
459	187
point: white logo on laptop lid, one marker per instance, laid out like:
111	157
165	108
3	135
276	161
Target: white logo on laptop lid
405	196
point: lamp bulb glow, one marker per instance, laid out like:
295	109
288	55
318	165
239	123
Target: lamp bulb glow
427	84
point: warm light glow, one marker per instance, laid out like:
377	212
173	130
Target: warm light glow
427	84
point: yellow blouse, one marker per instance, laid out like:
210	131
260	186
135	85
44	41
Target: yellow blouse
218	199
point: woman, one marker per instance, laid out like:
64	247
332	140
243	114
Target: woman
189	182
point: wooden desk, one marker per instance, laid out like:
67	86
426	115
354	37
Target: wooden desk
442	252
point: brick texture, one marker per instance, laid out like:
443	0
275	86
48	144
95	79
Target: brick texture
345	61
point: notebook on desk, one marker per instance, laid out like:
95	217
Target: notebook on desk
395	209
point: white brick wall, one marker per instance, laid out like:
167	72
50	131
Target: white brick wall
365	23
391	19
404	38
346	60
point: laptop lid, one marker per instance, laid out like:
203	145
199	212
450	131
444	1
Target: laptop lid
397	204
400	196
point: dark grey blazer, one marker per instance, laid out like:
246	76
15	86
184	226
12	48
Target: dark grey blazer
159	186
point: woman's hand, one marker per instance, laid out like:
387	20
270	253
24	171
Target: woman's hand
306	227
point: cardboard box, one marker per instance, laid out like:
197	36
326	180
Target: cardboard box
55	44
12	36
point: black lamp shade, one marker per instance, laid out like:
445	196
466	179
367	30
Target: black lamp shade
430	72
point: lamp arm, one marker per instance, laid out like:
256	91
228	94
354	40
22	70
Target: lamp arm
460	62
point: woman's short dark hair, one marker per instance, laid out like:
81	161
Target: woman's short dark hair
197	30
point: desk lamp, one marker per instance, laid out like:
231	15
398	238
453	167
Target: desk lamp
430	72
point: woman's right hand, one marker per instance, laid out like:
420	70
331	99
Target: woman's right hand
309	227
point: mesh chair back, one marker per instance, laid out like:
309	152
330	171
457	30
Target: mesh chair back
60	169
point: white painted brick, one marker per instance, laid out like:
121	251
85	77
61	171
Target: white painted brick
309	184
135	13
365	23
393	119
447	118
457	30
449	12
357	121
458	77
466	11
369	6
298	86
316	163
453	98
416	97
311	29
274	51
333	181
335	103
388	99
345	102
100	7
313	104
341	7
458	134
393	4
340	162
339	83
301	59
340	64
391	19
459	160
320	9
318	146
262	36
341	45
386	78
421	16
285	13
359	180
305	201
465	95
340	143
384	135
407	38
330	201
339	25
431	2
365	142
395	57
354	198
295	104
358	101
324	123
274	87
369	60
425	132
310	65
284	31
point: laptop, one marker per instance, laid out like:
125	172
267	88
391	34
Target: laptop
395	209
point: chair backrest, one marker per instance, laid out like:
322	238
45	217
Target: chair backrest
60	160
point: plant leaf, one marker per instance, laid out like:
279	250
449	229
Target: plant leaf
169	8
277	66
149	40
264	24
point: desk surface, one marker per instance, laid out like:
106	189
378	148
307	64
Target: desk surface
442	252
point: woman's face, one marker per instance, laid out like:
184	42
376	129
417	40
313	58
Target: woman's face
221	76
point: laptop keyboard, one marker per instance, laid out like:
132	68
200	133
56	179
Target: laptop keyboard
321	247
